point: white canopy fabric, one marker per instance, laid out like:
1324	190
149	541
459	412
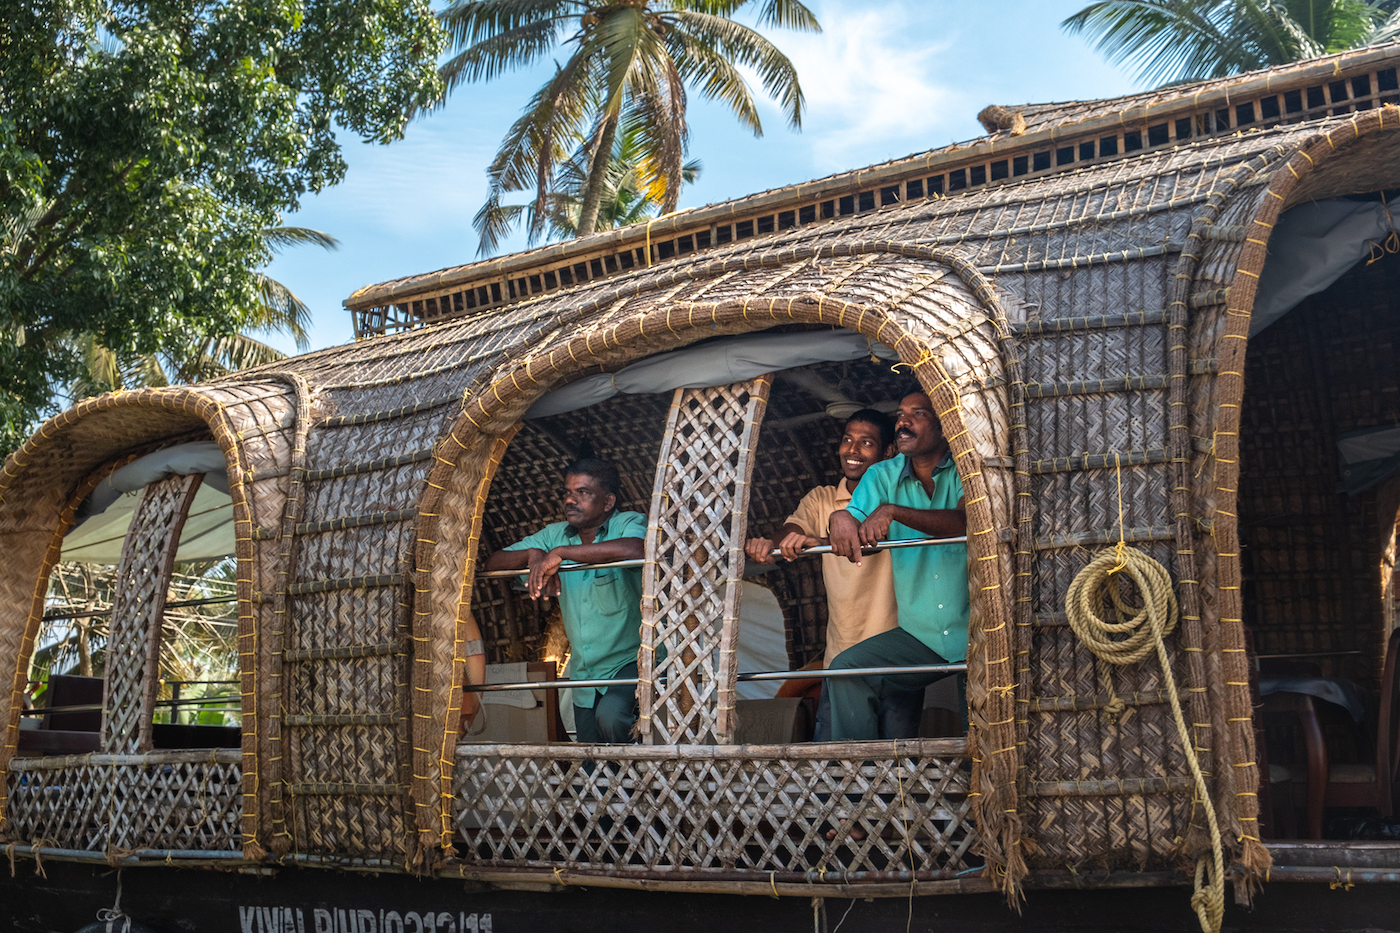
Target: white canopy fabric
713	363
1367	457
762	641
1313	245
104	517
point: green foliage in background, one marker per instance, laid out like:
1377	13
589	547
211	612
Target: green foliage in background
1185	40
146	149
629	65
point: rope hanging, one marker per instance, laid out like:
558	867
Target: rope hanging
1139	631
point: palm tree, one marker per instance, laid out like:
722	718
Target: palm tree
629	62
1184	40
203	357
624	200
198	643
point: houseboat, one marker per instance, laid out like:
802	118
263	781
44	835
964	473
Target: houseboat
1162	333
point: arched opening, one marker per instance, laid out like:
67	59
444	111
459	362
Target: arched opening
784	609
1317	503
126	712
954	352
142	610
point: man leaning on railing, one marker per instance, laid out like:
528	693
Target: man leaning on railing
915	494
601	607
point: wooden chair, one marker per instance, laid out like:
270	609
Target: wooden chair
1370	785
1373	785
72	733
1282	780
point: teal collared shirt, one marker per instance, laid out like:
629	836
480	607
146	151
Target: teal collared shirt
930	583
602	609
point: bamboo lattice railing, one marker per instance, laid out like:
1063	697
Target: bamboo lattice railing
692	580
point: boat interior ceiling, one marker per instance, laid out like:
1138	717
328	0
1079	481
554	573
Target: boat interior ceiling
796	451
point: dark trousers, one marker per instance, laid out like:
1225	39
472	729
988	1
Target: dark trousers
900	715
612	716
887	707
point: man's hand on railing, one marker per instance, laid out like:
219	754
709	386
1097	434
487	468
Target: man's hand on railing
845	536
877	527
544	573
759	550
789	547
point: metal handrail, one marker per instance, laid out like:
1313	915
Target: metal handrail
808	552
506	574
178	604
751	676
823	674
98	707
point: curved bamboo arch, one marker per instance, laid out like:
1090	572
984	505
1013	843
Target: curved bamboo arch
37	526
1232	719
451	513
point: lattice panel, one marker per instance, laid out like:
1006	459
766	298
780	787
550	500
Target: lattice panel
647	809
692	584
115	802
143	577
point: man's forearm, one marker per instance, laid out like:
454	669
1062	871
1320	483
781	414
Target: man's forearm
936	523
509	560
602	552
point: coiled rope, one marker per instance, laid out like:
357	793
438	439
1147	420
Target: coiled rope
1137	633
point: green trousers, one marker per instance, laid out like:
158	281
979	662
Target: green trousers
887	707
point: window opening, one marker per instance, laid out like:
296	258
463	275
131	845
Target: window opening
796	451
148	644
1316	560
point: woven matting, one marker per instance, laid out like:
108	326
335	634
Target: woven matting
109	803
743	809
1083	334
138	613
692	581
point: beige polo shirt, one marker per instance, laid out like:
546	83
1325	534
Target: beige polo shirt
859	599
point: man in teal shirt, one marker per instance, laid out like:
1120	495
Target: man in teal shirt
602	609
915	494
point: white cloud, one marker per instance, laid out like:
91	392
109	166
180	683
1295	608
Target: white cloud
870	78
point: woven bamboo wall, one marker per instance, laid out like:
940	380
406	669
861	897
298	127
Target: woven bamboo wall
1312	556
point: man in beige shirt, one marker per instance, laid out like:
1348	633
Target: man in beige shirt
859	597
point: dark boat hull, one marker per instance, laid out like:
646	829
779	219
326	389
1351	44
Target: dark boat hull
302	900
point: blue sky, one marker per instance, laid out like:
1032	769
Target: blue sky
883	80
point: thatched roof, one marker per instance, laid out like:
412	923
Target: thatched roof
1059	137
